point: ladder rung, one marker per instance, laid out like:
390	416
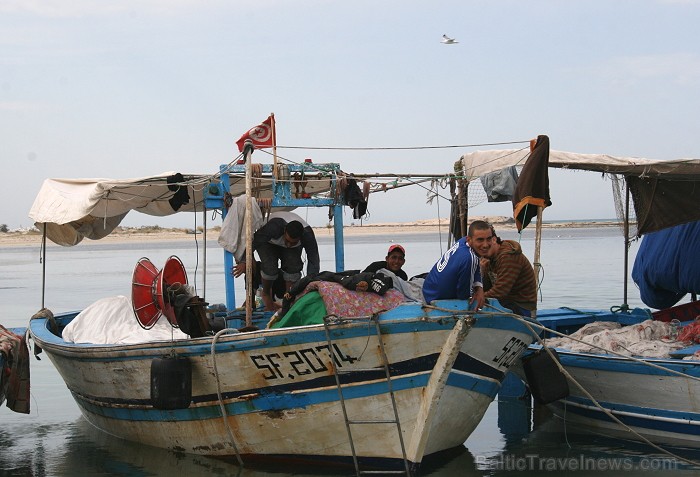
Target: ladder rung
348	422
376	421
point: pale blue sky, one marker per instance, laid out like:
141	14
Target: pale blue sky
131	88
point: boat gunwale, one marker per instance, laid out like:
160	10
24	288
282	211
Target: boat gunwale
39	329
637	361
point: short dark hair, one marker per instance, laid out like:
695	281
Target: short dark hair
496	237
478	225
294	229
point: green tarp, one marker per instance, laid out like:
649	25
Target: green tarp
307	310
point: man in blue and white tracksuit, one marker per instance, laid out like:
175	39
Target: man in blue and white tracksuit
457	275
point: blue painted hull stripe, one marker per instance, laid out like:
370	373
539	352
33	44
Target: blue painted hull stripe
463	363
275	402
641	422
652	412
486	387
616	364
466	363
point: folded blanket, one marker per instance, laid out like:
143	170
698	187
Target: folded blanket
342	302
320	299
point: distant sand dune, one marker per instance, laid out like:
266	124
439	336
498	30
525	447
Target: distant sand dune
16	238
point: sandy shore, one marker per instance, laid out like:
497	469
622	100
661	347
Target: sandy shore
17	238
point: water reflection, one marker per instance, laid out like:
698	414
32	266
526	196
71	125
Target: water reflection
538	442
527	441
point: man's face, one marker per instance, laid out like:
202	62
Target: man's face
395	260
289	241
481	242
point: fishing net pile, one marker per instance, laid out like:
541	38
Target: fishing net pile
649	339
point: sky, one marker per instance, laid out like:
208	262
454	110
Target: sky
122	89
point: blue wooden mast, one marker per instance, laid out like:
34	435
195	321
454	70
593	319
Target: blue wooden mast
282	196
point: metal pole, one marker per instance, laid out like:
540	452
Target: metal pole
204	253
249	232
43	267
627	241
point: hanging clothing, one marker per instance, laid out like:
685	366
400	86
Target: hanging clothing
500	185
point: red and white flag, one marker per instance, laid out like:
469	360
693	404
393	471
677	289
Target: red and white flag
262	135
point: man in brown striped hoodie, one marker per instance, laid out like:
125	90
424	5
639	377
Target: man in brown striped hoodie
508	275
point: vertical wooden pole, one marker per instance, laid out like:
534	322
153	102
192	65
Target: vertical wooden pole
248	231
463	201
274	143
538	242
625	307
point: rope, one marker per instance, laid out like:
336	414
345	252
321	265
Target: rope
42	260
224	414
530	326
608	413
48	315
410	148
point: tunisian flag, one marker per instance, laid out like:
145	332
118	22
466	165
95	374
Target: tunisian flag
262	135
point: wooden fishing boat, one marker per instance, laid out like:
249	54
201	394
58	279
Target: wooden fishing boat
383	389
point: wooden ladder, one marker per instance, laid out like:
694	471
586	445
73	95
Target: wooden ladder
352	422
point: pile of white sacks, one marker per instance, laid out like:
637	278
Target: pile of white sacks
112	321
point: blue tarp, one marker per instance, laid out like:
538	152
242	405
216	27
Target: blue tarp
667	266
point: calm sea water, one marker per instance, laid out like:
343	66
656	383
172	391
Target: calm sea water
583	267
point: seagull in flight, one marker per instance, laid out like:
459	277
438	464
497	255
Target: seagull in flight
447	40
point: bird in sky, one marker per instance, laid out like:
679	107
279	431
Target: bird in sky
447	40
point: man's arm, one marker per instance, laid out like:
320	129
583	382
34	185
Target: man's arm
485	273
308	241
508	272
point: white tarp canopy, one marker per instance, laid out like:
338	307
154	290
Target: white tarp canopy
479	163
73	209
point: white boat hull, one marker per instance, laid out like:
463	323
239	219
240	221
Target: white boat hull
279	394
661	406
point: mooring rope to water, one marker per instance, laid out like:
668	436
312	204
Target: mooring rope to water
219	394
531	325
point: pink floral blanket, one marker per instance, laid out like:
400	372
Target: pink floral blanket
342	302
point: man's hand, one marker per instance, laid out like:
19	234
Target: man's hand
478	297
238	269
484	263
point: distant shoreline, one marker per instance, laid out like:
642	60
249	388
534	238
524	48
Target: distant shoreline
135	235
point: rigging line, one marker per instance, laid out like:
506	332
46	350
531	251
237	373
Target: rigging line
509	153
604	410
420	185
312	166
360	175
364	176
220	396
530	324
196	244
400	148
